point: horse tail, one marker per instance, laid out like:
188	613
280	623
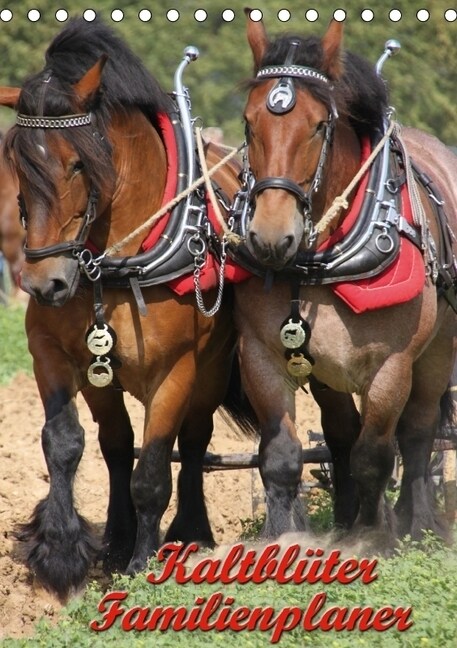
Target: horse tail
236	407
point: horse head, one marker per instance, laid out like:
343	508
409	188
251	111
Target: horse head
77	147
302	148
57	200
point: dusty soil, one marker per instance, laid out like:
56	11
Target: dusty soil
231	495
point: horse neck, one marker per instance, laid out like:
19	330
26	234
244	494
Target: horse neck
140	163
227	177
342	165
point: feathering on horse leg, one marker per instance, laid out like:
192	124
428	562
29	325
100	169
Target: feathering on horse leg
60	543
373	455
280	449
281	466
117	445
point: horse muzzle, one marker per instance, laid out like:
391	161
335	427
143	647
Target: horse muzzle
52	286
272	255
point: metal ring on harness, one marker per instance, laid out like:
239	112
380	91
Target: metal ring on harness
384	235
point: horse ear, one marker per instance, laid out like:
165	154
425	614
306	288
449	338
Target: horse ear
88	86
257	38
332	44
9	96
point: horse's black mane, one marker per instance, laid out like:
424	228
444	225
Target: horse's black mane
126	82
359	94
126	85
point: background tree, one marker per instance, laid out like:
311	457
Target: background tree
422	78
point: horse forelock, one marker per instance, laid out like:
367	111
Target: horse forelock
29	146
359	95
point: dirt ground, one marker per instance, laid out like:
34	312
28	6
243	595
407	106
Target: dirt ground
230	495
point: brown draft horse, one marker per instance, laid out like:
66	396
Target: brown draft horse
99	136
11	230
308	108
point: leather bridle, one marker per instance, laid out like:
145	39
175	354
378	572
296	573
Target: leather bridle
76	245
286	74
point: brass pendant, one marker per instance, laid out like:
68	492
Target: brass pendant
292	335
100	373
99	340
300	368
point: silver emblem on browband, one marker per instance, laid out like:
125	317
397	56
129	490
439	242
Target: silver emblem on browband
68	121
281	98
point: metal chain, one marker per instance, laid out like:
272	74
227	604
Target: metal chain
199	261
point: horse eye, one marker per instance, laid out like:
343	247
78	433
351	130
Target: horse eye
247	132
77	167
321	127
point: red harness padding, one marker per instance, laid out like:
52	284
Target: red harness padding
403	280
209	277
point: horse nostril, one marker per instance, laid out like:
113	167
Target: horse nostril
54	290
285	245
255	242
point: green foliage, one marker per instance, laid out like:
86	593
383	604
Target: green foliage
14	356
422	78
320	510
251	527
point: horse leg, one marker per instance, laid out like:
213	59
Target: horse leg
191	523
280	449
416	431
61	546
116	443
340	421
151	483
373	454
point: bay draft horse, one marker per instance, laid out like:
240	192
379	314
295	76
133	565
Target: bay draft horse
174	360
399	358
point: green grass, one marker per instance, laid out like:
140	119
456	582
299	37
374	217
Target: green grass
14	355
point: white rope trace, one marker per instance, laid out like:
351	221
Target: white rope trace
152	220
341	201
231	237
